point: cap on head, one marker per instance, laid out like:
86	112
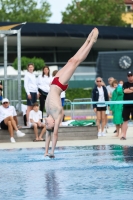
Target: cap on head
5	100
129	73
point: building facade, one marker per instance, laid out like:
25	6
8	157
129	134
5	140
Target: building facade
128	15
56	43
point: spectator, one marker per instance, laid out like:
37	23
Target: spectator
116	109
110	90
107	111
35	117
43	83
8	119
121	82
109	87
63	95
1	88
127	108
30	86
100	94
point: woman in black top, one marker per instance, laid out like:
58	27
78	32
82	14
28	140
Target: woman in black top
100	94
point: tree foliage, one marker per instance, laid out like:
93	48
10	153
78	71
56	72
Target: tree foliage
24	10
38	63
75	93
95	12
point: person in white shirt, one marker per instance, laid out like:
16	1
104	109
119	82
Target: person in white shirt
30	85
35	117
110	90
100	94
109	87
43	83
8	119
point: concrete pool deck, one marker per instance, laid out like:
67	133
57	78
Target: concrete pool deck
108	140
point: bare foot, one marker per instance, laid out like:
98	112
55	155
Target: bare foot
41	139
93	35
120	135
35	140
116	135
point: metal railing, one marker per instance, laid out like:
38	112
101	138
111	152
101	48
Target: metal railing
84	110
96	102
67	105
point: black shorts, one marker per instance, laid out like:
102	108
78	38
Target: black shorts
63	101
127	111
33	99
101	108
3	125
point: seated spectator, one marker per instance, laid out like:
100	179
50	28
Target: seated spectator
8	119
35	117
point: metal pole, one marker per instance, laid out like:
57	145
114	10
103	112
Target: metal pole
5	66
19	67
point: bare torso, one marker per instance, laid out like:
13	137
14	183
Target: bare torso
53	102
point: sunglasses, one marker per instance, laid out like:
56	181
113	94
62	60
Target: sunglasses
129	75
99	81
5	102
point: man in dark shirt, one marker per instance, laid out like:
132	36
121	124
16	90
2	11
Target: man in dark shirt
127	108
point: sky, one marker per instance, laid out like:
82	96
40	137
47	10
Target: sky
56	7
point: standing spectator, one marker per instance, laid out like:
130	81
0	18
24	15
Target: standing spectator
109	87
1	88
121	83
63	95
100	94
106	124
8	119
116	109
110	90
43	83
30	86
127	108
35	117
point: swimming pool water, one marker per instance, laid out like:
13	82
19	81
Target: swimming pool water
77	173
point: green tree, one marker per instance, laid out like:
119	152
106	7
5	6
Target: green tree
38	63
24	10
95	12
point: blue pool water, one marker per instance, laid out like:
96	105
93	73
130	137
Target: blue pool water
77	173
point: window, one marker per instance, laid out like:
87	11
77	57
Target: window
84	77
128	8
